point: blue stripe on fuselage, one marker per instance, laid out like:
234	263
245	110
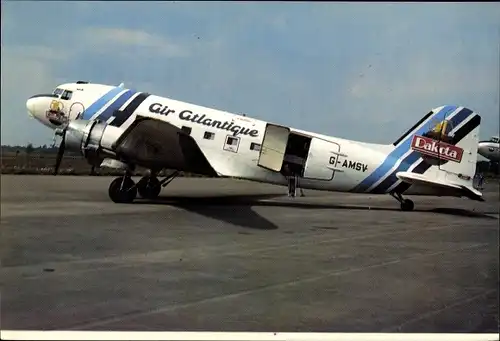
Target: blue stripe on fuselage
106	114
401	149
101	102
392	178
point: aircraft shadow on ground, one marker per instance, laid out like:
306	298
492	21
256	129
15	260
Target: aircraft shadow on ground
237	209
232	209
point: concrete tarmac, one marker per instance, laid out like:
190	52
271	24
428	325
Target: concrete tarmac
228	255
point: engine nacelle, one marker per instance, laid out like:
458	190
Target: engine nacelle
93	139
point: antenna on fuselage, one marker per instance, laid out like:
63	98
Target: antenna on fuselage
121	85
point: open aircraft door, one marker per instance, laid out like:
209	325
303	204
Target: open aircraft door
272	151
318	166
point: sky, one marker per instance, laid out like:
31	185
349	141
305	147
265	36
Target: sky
362	71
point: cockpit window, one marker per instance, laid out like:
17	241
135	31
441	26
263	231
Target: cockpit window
58	91
494	139
67	94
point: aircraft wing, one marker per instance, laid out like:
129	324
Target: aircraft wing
156	144
422	180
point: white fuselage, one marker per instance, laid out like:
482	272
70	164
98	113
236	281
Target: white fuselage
242	162
232	143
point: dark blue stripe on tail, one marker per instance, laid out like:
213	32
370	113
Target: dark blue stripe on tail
460	117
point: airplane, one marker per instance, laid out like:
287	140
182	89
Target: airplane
490	149
117	127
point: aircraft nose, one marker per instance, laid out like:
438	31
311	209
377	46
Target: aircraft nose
35	106
31	106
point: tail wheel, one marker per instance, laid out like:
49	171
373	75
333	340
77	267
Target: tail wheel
407	205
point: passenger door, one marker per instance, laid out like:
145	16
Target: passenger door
318	160
272	151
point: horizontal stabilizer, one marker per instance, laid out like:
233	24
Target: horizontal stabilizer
422	180
472	193
415	178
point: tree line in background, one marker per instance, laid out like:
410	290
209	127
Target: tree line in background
31	148
31	159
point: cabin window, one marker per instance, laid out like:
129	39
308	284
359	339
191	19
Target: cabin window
254	146
58	91
67	95
187	130
232	143
208	135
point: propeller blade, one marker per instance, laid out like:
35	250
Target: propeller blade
60	153
54	141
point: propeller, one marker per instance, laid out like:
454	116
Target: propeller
60	151
79	130
54	138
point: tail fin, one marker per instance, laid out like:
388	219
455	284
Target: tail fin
448	151
443	145
465	137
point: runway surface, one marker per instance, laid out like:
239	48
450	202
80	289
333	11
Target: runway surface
227	255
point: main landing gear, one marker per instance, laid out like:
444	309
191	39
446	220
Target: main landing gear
124	190
406	204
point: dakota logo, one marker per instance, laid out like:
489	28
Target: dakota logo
437	149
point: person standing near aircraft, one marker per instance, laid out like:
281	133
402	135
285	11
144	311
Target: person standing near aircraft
293	185
480	180
292	180
306	148
298	187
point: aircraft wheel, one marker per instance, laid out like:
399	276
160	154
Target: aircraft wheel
407	205
149	187
125	194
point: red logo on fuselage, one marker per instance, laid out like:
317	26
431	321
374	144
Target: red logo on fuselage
437	149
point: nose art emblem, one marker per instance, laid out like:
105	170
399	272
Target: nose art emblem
56	114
